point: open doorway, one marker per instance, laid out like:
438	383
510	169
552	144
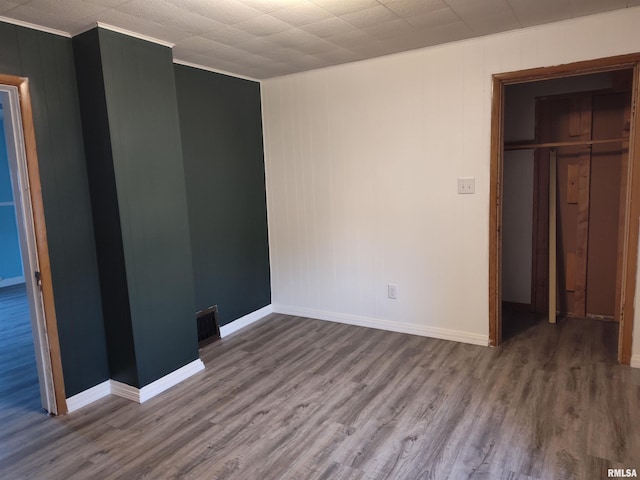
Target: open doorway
18	372
30	347
577	100
590	197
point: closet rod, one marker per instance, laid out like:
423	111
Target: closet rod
526	146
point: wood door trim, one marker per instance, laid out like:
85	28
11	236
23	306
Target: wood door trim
495	212
632	216
624	180
631	226
600	65
42	245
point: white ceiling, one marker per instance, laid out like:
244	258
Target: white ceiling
268	38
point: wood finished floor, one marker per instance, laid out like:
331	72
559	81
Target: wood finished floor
293	398
18	375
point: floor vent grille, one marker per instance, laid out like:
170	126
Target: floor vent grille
208	325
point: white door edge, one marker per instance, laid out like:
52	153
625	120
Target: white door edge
10	99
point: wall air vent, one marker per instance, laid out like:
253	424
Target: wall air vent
208	325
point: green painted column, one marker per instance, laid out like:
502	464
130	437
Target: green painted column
135	164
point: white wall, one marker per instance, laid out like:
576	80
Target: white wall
517	226
362	161
517	218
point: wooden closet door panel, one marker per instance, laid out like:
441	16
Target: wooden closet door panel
565	118
606	163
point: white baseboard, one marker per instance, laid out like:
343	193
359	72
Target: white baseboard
242	322
138	395
88	396
123	390
141	395
10	282
422	330
635	361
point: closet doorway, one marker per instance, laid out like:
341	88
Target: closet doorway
590	203
564	233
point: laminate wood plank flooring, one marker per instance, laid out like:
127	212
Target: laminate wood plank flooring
19	391
295	398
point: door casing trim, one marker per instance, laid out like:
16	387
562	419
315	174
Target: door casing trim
40	231
632	214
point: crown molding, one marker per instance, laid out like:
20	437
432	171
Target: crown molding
129	33
214	70
33	26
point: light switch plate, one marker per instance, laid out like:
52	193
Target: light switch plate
466	185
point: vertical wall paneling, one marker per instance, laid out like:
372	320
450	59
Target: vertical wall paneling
104	198
605	193
221	130
129	85
404	127
517	226
47	61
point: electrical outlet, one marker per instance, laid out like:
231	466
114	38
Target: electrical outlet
392	291
466	185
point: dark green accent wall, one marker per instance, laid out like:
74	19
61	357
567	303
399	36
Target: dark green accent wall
161	222
104	198
221	129
132	114
47	60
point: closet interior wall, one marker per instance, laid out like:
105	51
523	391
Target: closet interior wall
589	185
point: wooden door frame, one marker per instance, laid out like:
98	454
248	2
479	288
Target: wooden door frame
40	230
632	214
